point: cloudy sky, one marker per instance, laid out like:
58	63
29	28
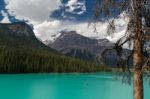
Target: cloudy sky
49	17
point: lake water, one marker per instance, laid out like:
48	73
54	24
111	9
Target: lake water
65	86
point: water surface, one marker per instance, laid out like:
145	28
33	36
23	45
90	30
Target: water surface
66	86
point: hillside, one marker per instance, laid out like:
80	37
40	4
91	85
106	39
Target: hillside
22	52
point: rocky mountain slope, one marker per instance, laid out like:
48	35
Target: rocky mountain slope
73	44
22	52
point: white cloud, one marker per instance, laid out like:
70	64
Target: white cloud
88	31
5	19
121	26
73	5
101	29
120	31
35	11
47	29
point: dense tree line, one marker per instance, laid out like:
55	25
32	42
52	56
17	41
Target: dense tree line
28	60
22	52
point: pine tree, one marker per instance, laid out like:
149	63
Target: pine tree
138	12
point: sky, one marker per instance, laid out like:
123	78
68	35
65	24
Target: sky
50	17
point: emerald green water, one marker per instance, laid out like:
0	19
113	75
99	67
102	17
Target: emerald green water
65	86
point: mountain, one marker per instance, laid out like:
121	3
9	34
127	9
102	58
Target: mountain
19	34
73	44
22	52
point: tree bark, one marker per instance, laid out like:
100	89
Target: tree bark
138	84
137	55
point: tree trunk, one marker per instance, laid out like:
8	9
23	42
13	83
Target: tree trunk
137	55
138	84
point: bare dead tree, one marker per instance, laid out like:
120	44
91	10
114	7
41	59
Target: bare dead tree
137	34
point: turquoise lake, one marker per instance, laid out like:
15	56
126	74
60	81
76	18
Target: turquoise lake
66	86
